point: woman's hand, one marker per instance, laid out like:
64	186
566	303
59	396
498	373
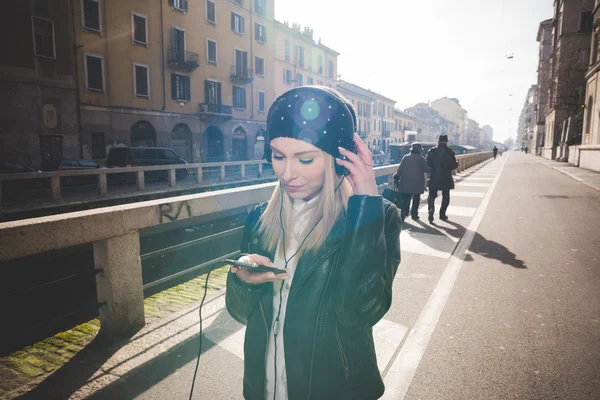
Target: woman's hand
361	177
255	278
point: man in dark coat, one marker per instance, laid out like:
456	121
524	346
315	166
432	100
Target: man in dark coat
495	150
442	161
410	178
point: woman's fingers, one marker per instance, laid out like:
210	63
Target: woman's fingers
256	278
363	151
350	166
353	158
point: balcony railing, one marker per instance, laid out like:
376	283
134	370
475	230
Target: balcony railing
239	74
215	111
183	59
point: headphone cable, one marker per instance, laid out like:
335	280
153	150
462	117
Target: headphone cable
200	335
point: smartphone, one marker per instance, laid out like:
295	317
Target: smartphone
256	267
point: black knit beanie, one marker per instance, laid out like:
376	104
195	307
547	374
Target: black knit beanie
316	115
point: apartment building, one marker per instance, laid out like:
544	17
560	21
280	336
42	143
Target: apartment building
375	115
451	110
300	60
193	76
38	106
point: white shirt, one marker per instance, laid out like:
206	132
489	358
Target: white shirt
299	229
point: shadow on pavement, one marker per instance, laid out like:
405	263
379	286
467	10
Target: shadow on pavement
75	373
484	247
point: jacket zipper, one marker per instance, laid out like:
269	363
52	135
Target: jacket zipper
342	352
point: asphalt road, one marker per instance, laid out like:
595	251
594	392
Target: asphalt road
500	302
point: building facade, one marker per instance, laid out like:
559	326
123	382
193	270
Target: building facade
438	125
572	26
375	115
300	60
196	77
544	80
527	121
451	110
589	152
39	123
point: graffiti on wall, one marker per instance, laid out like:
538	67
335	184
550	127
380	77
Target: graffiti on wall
167	211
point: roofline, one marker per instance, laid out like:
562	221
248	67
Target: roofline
307	38
366	90
545	22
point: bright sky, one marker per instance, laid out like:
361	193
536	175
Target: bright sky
414	50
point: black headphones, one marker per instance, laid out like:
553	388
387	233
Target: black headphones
319	91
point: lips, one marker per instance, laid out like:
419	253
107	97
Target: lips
292	188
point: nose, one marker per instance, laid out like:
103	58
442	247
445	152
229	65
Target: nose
289	171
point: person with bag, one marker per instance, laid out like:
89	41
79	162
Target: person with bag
309	330
442	161
410	181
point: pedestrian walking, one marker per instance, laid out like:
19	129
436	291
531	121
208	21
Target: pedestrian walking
410	180
309	330
441	160
495	150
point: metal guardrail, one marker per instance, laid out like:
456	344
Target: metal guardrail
114	233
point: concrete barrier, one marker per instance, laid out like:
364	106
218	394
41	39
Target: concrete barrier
114	233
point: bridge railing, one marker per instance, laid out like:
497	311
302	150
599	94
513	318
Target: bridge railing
115	235
199	170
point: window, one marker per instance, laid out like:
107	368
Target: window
211	51
237	23
139	26
180	87
287	76
360	109
260	33
310	64
241	63
586	22
330	69
588	114
310	80
181	5
320	82
299	80
259	65
240	2
260	7
583	58
91	15
287	50
300	56
212	92
141	76
360	125
261	102
98	147
239	97
211	12
43	38
94	72
320	64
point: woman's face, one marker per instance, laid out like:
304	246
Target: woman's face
299	166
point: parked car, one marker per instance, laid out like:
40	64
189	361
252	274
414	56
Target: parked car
14	168
146	157
74	164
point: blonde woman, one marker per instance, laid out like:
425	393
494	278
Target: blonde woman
308	332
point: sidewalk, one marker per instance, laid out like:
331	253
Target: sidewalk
585	176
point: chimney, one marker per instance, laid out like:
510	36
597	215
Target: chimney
286	23
308	32
296	27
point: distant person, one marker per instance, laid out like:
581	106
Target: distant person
441	160
495	150
526	149
501	151
410	179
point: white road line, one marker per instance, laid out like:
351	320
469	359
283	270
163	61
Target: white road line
404	367
474	178
474	184
428	244
466	194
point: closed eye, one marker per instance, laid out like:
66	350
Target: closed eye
276	157
306	162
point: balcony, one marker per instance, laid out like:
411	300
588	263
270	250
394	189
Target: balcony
183	59
214	112
241	75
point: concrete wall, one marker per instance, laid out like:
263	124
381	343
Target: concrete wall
589	157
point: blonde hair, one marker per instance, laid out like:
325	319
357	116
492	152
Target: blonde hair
327	208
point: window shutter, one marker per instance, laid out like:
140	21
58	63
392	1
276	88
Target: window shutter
218	86
244	98
188	89
173	86
185	4
172	3
206	91
242	29
233	22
